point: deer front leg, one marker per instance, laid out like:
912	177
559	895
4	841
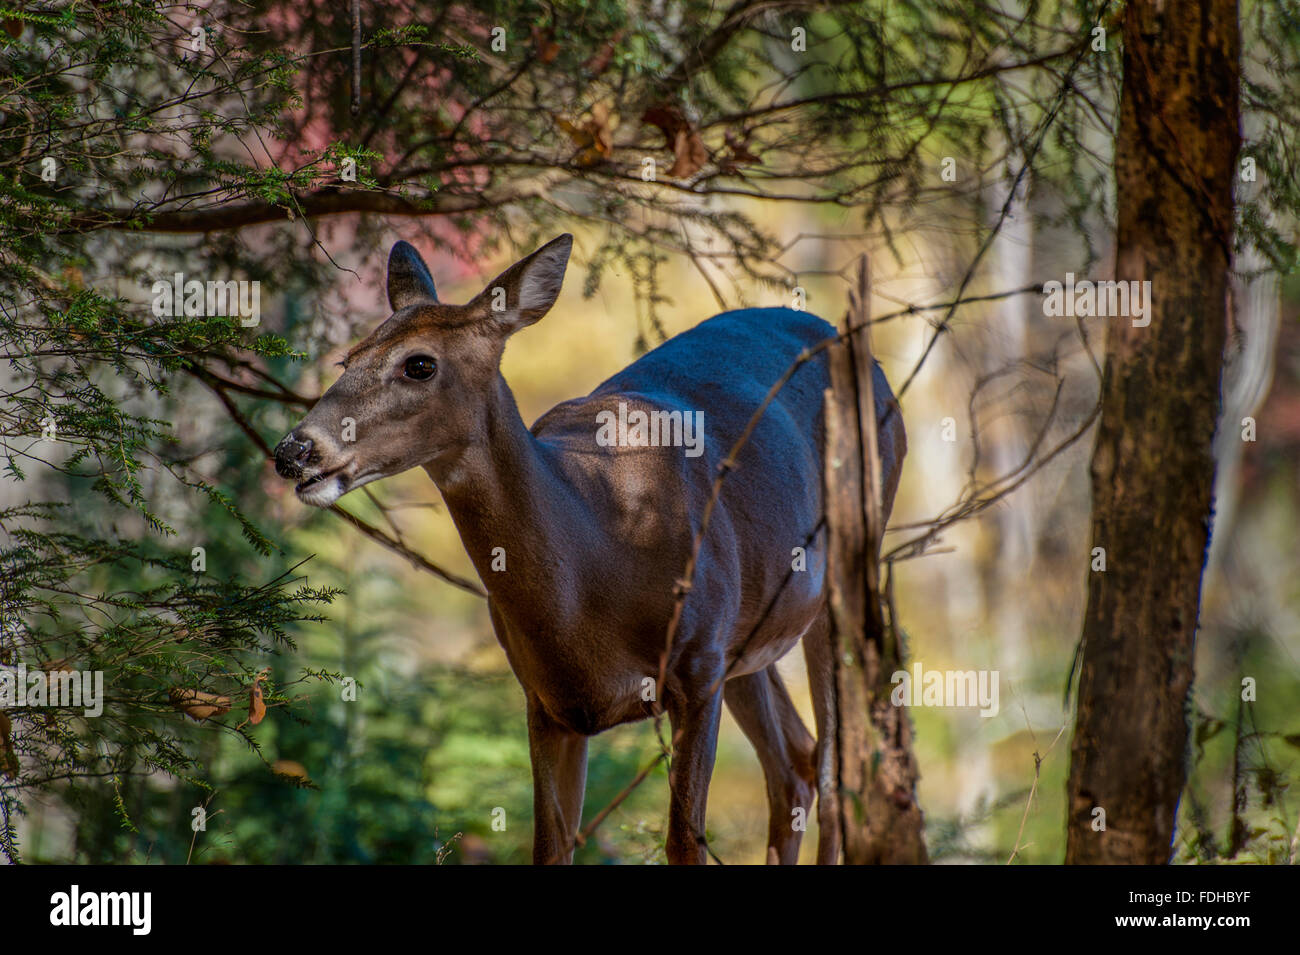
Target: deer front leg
695	718
559	760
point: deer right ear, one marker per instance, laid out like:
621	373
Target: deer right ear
409	281
526	291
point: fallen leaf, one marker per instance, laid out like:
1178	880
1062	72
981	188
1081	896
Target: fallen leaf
197	704
14	27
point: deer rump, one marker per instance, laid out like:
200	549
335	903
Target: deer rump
759	581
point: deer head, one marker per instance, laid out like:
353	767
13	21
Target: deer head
416	391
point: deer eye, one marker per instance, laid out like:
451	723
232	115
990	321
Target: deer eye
420	367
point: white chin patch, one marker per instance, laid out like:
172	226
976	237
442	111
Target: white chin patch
322	493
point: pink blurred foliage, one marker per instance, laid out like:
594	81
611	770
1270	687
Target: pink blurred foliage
324	85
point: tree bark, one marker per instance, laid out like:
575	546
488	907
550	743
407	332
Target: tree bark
1153	464
880	819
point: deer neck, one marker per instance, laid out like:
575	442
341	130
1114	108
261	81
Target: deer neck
508	497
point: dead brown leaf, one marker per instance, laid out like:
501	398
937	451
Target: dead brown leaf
689	151
544	41
198	704
691	154
593	135
738	154
256	703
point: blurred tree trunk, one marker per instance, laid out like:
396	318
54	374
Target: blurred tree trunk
880	819
1153	464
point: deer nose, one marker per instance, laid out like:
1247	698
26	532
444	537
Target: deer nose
291	454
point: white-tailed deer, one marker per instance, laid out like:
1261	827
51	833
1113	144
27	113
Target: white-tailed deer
596	533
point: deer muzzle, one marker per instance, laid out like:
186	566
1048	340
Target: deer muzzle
292	454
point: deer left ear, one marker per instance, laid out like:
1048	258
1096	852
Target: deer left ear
526	291
409	281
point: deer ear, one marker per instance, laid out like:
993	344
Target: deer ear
526	291
409	281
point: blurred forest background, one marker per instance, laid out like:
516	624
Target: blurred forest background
225	162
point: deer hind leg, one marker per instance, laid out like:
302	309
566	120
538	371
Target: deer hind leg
559	759
785	748
821	681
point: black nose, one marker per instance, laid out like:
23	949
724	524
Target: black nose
291	454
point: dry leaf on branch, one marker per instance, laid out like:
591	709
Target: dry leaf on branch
544	41
594	135
197	704
689	151
256	703
739	154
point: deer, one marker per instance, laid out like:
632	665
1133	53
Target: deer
595	535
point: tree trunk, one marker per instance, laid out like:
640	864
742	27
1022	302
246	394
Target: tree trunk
1153	464
880	819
